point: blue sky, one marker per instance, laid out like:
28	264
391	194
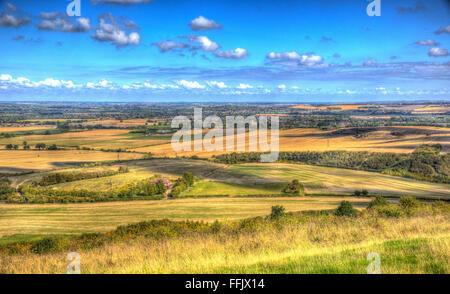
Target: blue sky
255	51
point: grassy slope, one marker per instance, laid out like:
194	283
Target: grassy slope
260	179
333	245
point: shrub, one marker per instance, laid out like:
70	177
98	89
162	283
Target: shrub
47	245
378	201
408	202
277	212
295	187
365	192
216	226
357	193
389	210
345	209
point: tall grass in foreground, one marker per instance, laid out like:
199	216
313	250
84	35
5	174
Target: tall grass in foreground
305	243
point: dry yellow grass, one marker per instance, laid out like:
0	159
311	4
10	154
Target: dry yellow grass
15	160
21	129
97	139
406	245
95	217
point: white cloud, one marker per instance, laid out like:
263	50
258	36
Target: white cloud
282	87
427	42
190	85
6	79
8	19
244	86
303	59
206	44
64	24
109	30
215	84
102	84
169	45
238	53
284	55
442	30
437	52
204	24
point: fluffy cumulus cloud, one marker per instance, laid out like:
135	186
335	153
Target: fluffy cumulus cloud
218	85
284	55
12	17
302	59
427	42
110	30
169	45
237	53
7	82
205	43
443	30
102	84
121	2
437	52
203	24
56	21
244	86
190	84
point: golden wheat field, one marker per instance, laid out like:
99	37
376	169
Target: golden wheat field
380	140
19	160
22	128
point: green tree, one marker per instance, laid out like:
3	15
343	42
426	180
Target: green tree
161	187
40	146
188	178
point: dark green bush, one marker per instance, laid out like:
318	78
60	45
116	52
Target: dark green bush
295	187
408	202
345	209
378	201
277	212
389	211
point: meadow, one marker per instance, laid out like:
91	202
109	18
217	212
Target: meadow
293	244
